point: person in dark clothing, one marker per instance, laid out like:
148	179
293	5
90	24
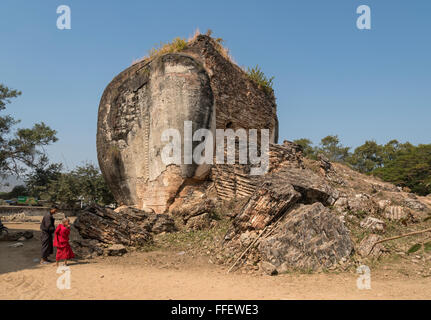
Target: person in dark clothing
3	228
47	227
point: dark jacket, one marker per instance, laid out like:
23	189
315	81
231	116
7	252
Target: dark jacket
47	224
47	227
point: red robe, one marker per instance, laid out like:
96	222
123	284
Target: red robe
61	241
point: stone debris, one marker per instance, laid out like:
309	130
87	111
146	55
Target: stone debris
233	181
116	250
342	202
278	192
193	205
268	268
16	245
16	236
362	203
383	204
272	198
395	213
373	224
202	221
26	216
312	187
414	204
367	246
328	171
16	217
97	227
310	237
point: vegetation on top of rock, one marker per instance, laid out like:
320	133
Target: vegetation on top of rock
176	45
179	44
261	79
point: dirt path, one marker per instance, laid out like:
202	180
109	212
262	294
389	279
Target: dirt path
168	275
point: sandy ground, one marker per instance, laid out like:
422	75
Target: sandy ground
168	275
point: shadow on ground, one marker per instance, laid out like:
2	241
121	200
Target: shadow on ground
27	256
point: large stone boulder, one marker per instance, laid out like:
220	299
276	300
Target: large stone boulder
271	199
277	193
97	228
199	84
310	237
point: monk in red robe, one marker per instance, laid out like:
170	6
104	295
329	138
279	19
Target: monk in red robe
61	241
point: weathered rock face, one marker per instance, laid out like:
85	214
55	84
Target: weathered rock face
368	246
135	109
233	181
271	199
373	224
395	213
97	227
292	201
311	237
277	192
199	85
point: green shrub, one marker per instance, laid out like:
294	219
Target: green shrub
261	79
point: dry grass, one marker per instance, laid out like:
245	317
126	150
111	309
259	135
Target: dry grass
177	45
180	44
194	36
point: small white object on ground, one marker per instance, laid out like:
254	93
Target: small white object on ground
16	245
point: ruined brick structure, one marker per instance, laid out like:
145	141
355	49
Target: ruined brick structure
199	84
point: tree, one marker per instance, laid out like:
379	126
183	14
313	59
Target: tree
17	191
92	185
85	183
307	147
402	164
64	190
41	175
332	149
20	149
393	148
410	167
367	157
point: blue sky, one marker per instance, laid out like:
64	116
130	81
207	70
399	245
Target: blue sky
330	77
